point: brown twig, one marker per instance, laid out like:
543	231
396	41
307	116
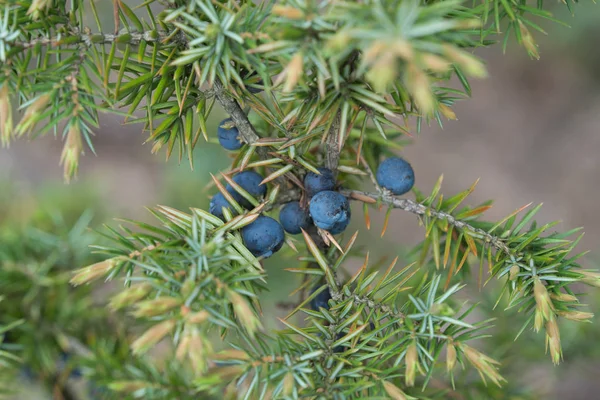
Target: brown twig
243	124
332	150
238	116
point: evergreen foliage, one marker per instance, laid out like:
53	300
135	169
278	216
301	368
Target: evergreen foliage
307	84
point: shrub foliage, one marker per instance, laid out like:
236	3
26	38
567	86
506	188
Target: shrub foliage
308	84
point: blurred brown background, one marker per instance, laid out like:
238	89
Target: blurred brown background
530	133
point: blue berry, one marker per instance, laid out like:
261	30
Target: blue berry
229	138
250	182
294	218
314	183
217	203
263	237
396	175
322	299
330	211
340	226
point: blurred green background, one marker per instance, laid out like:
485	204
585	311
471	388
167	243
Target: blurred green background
531	134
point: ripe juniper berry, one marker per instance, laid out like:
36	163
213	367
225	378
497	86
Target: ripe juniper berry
396	175
314	183
321	300
294	218
229	138
263	237
340	226
330	211
250	182
217	203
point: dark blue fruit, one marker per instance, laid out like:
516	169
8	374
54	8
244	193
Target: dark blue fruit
263	237
294	218
340	226
250	182
229	138
314	183
322	299
217	203
330	211
396	175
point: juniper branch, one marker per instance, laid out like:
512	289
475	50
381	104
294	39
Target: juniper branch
242	123
333	146
332	156
419	209
373	304
339	296
244	126
90	39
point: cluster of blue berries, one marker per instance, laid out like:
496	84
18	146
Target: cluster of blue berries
327	209
264	236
